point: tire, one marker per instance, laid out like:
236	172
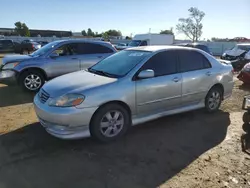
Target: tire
112	126
246	118
34	77
213	99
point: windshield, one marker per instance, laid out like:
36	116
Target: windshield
120	63
135	43
243	47
202	47
44	49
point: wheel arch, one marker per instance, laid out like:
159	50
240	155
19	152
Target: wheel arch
218	85
121	103
34	69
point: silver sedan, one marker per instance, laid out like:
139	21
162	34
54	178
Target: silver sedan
131	87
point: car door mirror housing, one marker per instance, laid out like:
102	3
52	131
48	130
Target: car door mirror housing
149	73
53	55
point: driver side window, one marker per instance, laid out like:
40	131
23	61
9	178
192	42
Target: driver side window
163	63
63	50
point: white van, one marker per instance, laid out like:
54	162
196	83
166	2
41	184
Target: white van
151	39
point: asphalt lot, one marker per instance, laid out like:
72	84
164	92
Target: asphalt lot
183	150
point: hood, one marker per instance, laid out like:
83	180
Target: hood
75	82
12	58
235	52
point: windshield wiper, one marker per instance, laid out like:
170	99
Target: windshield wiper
102	73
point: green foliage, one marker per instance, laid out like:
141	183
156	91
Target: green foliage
191	26
169	32
90	33
84	33
22	29
114	32
105	35
128	38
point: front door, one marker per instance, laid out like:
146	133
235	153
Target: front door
163	91
66	62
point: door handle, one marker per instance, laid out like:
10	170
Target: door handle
208	73
176	79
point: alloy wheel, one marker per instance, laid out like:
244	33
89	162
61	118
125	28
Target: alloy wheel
214	100
32	82
112	123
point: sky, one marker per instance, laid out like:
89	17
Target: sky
223	19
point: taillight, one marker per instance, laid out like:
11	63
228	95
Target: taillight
33	46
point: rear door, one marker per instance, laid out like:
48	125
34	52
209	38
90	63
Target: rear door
66	62
91	53
197	76
162	92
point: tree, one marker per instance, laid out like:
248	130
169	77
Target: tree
128	38
113	32
105	35
84	33
22	29
169	32
90	33
191	26
26	31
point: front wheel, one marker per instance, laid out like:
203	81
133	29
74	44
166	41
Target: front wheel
32	80
110	122
213	99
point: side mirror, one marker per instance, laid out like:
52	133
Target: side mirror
53	55
146	74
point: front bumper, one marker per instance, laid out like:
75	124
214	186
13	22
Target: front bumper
65	123
8	77
244	77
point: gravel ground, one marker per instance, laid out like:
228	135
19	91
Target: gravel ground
193	149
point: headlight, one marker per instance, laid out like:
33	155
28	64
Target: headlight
67	100
246	67
246	103
10	65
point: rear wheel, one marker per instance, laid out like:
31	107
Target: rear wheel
109	123
32	80
213	99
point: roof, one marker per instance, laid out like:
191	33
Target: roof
82	40
191	44
158	48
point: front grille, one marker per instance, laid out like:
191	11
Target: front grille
43	95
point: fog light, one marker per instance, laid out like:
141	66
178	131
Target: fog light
246	103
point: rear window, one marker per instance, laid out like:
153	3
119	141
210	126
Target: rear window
192	60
